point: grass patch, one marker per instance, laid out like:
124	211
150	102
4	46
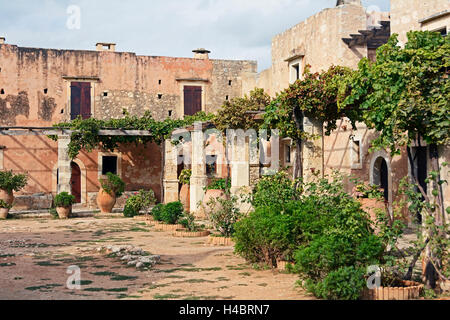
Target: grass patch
165	296
7	264
188	270
123	278
106	290
104	273
47	264
245	274
44	287
263	284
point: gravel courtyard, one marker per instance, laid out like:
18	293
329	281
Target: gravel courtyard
35	255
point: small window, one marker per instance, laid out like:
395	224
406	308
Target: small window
296	71
287	154
109	164
2	91
159	82
230	82
356	152
105	94
170	113
211	165
45	91
227	98
160	96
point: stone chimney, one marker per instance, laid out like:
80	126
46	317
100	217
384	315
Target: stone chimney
103	46
342	2
201	53
2	40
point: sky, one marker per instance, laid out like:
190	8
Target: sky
230	29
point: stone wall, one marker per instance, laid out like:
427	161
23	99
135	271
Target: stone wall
406	16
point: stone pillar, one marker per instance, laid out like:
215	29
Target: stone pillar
64	168
198	178
170	173
312	149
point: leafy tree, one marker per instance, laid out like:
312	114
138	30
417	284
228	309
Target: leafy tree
405	96
314	96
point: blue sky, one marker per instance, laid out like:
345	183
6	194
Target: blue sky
231	29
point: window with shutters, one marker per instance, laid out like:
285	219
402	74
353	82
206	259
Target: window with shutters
80	100
192	100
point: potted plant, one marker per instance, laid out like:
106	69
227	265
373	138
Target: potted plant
191	229
9	182
371	198
111	188
185	180
216	189
141	200
223	214
166	216
63	204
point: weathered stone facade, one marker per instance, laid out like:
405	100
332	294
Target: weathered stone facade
35	91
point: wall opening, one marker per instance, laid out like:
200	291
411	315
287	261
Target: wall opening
109	164
80	100
75	182
381	176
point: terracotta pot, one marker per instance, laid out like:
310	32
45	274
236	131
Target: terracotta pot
4	213
105	201
64	213
409	292
189	234
212	194
371	206
220	241
6	196
185	197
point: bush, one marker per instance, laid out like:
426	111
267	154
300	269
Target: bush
275	189
185	176
346	283
219	184
113	185
4	205
188	222
157	212
64	200
139	201
12	182
171	212
224	214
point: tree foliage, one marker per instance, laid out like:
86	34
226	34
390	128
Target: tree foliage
405	94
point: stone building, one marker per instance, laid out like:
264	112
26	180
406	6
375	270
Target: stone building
41	87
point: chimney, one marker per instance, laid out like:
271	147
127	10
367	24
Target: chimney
201	53
342	2
102	46
2	40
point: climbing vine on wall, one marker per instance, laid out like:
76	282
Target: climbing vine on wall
86	136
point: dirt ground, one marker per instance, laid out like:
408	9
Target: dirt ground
35	255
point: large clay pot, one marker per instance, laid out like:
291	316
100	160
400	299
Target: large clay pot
185	197
105	201
64	213
371	206
212	194
8	198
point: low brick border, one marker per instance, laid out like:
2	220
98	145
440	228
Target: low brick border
167	227
282	265
189	234
220	241
410	292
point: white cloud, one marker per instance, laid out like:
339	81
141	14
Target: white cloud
231	29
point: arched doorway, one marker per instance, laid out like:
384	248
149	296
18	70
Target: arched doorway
381	176
76	182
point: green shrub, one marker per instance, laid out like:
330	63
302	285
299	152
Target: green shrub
345	283
219	184
188	222
113	185
224	214
157	212
275	189
141	200
12	182
4	205
185	176
64	200
171	212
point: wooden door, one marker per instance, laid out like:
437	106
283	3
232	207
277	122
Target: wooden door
76	182
80	100
192	100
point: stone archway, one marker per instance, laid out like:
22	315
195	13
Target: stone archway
381	175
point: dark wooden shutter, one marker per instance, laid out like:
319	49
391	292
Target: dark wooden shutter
192	100
80	97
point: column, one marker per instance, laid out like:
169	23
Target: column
64	168
241	157
170	172
312	149
198	178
